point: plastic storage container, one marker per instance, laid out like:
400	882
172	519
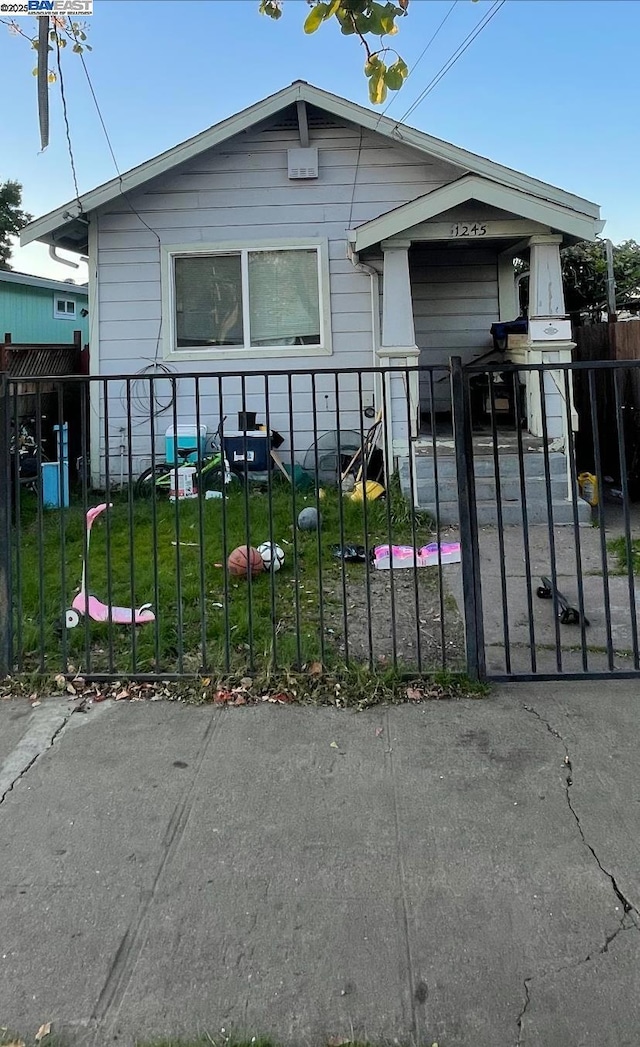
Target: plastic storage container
50	476
247	450
185	436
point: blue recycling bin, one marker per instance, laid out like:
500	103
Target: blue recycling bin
52	472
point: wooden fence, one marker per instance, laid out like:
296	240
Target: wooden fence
43	359
615	341
619	341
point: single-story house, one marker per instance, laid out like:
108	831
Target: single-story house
307	233
34	309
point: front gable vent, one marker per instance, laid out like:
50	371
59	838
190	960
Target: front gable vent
303	163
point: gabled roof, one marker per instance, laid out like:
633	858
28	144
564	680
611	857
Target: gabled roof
472	187
10	276
61	225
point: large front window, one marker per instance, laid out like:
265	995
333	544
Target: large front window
250	299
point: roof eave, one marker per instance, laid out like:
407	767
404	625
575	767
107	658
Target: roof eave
575	224
60	221
45	227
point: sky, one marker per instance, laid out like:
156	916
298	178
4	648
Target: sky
549	87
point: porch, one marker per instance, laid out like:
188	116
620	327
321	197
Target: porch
448	275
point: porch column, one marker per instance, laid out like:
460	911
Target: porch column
549	338
398	348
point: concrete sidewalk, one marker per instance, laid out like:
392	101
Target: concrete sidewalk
423	873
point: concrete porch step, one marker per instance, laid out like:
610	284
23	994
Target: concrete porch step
508	466
510	490
562	513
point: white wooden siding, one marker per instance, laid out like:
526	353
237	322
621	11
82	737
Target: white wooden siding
241	192
455	301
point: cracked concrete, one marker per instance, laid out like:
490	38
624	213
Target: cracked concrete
462	873
627	906
35	736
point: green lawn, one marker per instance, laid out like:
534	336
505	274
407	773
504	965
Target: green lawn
205	619
619	547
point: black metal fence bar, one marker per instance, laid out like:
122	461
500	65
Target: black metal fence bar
471	589
316	462
6	544
573	477
109	550
273	603
601	520
84	502
500	525
40	542
384	403
154	528
202	578
436	491
14	548
553	567
525	533
130	514
628	544
341	530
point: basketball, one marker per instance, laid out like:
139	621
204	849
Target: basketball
272	556
245	560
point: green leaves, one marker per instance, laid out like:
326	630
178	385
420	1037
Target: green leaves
396	75
365	19
383	78
316	17
272	8
378	87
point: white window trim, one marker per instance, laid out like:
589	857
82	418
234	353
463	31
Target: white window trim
63	316
167	275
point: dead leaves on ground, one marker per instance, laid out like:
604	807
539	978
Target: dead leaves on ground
313	684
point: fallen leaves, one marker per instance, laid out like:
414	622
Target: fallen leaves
43	1031
414	694
379	731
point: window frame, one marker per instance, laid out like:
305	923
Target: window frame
243	248
66	315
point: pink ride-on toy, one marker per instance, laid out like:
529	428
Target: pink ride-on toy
93	608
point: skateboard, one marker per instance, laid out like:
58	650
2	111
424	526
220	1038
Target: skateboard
567	614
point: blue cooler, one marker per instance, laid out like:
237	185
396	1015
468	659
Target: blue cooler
247	451
185	436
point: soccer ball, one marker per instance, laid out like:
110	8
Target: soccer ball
272	556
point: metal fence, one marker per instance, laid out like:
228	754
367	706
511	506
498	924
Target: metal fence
118	558
164	525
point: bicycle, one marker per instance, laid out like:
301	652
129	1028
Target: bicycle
212	473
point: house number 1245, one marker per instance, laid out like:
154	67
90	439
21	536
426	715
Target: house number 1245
462	229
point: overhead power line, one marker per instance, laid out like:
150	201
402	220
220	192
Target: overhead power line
457	54
423	52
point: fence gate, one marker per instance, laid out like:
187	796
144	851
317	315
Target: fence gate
549	518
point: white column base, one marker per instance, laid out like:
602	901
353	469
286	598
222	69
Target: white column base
402	423
558	414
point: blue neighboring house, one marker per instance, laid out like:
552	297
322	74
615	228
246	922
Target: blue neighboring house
36	310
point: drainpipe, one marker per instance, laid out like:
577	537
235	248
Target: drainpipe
53	253
375	297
